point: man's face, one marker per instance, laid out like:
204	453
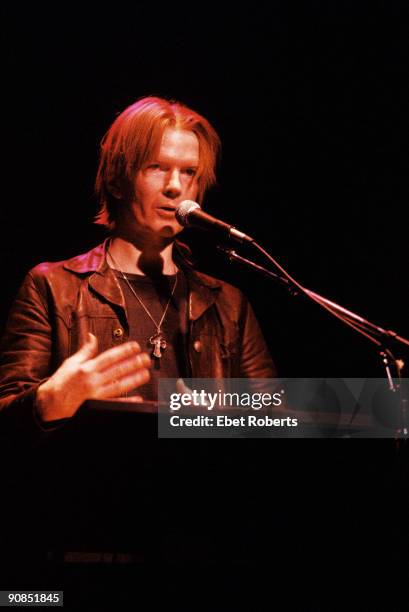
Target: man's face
163	183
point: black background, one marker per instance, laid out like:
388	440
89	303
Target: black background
312	108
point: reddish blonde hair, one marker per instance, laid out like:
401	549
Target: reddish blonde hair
135	137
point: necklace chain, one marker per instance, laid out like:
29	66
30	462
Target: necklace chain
157	325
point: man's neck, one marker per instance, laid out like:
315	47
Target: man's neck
137	258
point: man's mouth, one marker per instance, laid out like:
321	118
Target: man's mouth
169	209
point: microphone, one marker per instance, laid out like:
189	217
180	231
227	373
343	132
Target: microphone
189	213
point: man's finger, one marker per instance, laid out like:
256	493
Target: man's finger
133	399
115	355
119	370
119	387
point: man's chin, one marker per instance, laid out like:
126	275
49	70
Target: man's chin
165	231
170	230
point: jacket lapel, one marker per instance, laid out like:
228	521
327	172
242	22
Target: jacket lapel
101	278
106	285
202	293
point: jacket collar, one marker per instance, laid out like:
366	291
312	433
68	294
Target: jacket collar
203	292
101	279
203	289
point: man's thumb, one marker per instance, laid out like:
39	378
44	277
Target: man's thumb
89	349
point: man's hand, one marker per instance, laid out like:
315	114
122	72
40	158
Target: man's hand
85	376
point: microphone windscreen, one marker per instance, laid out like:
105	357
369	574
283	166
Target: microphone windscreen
185	208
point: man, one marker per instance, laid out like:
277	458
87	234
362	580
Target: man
111	322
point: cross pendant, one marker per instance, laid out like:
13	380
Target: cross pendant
159	342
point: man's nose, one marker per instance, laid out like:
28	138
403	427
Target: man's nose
173	186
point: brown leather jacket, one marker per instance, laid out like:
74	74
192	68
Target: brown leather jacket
58	303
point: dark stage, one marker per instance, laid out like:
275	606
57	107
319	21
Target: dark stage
311	105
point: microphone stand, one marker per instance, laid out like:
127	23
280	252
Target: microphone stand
361	325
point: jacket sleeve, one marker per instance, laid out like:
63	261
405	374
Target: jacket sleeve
255	360
25	354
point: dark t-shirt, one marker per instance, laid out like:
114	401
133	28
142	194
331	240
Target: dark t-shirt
155	293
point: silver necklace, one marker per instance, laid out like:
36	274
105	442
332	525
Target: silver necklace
157	340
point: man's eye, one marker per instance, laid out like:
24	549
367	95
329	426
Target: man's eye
153	166
191	171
